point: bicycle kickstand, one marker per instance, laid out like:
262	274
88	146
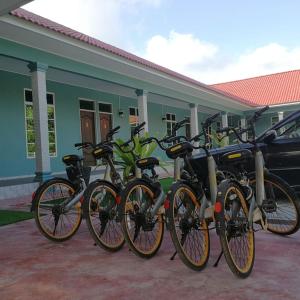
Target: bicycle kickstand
173	256
218	260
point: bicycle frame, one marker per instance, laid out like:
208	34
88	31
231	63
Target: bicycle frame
255	213
159	201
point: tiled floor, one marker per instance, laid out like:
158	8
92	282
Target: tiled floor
32	267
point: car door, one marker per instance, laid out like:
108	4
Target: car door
282	155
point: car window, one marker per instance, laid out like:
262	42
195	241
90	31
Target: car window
290	130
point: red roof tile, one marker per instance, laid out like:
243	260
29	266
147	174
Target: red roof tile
279	88
48	24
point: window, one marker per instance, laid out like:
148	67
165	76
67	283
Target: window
274	120
133	117
219	125
239	124
171	120
105	108
105	119
230	121
29	124
86	105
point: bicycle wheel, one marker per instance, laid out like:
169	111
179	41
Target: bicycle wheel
53	221
142	231
281	205
237	238
190	236
100	209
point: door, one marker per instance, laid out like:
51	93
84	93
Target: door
105	124
87	120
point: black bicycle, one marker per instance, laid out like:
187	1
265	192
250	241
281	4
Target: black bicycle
280	203
142	203
102	197
57	202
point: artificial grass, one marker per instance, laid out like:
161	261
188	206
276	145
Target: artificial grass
12	216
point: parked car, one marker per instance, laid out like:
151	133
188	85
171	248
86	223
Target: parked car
282	155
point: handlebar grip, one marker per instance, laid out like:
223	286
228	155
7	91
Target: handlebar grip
82	144
210	119
138	128
261	111
214	116
114	130
180	124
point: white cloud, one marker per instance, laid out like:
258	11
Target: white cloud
179	51
102	19
203	61
108	20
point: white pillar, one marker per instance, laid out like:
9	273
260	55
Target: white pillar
142	106
243	126
280	115
225	124
40	116
194	121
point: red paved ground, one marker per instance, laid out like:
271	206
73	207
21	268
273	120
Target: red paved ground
35	268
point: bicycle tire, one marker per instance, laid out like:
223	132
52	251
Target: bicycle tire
132	220
294	210
195	258
40	212
108	232
234	231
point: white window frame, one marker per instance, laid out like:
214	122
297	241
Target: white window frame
188	123
94	111
105	112
55	131
136	109
172	122
230	121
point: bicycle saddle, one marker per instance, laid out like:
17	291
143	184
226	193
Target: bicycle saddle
147	163
71	159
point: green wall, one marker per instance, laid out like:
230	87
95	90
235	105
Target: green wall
14	161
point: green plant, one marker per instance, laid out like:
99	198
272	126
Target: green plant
218	140
140	151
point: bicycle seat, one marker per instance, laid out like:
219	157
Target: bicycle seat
179	150
147	163
71	159
102	151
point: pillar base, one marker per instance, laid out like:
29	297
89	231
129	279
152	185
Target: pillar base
42	176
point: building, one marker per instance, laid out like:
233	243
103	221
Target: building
81	87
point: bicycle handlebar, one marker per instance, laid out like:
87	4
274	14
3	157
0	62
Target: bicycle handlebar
258	113
179	124
112	132
138	129
210	120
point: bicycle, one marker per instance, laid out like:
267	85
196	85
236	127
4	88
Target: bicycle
260	203
190	204
142	204
57	203
280	204
102	198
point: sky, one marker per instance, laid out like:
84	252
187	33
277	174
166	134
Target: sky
211	41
